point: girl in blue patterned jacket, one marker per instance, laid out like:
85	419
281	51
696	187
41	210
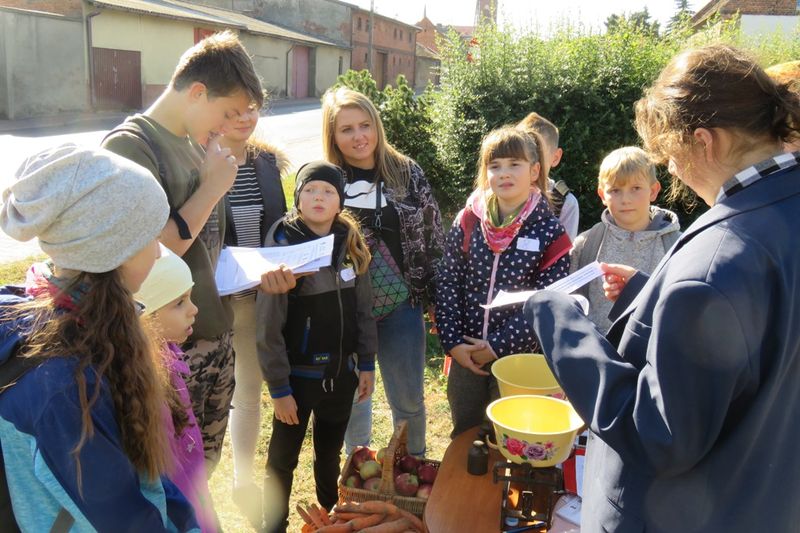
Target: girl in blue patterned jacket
505	238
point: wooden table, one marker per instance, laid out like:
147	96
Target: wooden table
461	502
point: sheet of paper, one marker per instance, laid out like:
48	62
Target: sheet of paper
573	282
240	268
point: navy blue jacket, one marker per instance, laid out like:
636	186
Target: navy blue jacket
465	281
693	398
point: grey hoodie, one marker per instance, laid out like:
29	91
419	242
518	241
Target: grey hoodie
641	250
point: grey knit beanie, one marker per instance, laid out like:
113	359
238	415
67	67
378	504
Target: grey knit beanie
91	209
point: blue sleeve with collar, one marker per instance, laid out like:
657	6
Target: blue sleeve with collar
109	493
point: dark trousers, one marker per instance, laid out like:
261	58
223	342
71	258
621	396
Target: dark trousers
331	412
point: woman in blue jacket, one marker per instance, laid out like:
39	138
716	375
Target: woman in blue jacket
692	396
82	432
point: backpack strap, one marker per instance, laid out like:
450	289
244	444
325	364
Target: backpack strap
467	223
558	194
136	131
591	246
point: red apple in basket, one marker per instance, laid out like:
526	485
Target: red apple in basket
369	470
409	463
424	491
361	456
406	484
373	484
427	473
353	481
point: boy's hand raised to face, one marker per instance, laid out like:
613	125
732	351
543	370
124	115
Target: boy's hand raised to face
218	171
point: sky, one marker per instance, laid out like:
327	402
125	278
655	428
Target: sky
525	13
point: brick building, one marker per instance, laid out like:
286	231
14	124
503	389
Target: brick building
394	46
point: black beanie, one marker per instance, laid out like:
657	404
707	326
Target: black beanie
319	171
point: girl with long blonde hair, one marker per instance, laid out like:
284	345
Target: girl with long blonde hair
394	203
81	426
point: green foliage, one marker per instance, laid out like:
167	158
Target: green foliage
361	81
638	20
586	83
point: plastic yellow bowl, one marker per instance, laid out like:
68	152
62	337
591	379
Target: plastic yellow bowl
534	429
525	373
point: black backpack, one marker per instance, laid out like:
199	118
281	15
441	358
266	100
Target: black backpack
11	370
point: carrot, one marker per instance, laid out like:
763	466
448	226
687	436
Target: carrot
397	526
346	516
366	521
336	528
416	523
368	507
304	515
308	528
321	513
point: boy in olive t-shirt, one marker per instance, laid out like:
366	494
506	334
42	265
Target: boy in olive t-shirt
212	85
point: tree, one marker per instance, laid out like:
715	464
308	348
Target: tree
638	20
682	16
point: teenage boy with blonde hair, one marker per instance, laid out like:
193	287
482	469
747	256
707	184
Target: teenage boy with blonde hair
631	231
563	202
177	140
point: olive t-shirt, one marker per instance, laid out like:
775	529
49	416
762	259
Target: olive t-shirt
181	159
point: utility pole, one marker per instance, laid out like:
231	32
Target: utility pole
371	28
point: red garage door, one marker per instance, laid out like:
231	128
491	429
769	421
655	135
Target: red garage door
117	79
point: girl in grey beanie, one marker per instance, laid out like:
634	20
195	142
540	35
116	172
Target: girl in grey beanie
82	425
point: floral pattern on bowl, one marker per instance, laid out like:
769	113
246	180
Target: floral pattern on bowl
533	451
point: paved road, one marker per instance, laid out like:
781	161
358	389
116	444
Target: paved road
295	127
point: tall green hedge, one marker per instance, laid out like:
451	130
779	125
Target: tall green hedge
586	83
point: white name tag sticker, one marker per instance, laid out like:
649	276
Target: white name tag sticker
529	245
348	274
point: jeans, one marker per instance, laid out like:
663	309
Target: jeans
401	358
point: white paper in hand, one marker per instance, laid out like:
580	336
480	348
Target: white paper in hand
571	283
240	268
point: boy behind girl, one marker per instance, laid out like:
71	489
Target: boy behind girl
631	231
564	203
213	84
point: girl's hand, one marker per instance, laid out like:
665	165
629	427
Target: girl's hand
366	384
462	353
286	410
278	281
615	278
484	354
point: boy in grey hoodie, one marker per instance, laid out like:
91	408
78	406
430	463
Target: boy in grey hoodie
631	231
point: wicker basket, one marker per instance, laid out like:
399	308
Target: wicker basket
396	449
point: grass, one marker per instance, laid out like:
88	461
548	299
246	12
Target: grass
221	481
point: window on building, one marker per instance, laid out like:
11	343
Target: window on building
367	25
366	57
401	35
394	61
395	33
359	23
409	35
341	65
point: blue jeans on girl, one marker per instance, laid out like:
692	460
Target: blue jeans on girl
401	358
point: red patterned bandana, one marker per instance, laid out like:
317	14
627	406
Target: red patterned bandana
499	239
